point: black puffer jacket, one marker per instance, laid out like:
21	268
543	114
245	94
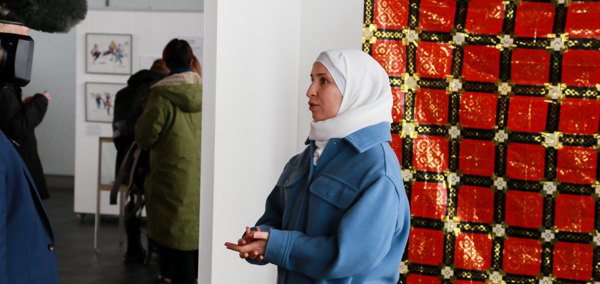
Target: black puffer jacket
128	108
18	121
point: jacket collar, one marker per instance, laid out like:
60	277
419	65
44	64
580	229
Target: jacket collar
179	79
179	70
365	138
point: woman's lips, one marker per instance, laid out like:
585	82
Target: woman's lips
312	106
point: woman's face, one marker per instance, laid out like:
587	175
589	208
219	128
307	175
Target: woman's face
324	96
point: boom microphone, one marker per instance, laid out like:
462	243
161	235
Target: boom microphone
50	16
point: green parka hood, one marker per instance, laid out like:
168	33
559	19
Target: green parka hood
184	90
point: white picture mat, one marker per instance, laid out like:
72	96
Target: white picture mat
99	101
108	53
108	163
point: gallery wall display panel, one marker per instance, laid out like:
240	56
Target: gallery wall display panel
108	53
496	126
99	101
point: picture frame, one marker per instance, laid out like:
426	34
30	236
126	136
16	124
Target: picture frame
108	53
99	101
107	158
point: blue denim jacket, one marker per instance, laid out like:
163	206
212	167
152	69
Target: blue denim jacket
346	220
27	252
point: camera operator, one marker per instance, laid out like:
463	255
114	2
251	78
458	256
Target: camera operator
18	118
27	239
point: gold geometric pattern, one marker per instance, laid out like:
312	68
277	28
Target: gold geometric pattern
500	133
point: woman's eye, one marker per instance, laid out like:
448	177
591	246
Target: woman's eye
323	80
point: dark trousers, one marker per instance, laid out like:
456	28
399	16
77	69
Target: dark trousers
132	229
178	265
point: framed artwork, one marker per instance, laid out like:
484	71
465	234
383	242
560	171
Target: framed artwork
106	163
99	100
108	53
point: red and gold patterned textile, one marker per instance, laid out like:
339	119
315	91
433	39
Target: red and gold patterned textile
497	128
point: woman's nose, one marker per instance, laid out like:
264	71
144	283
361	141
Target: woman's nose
311	92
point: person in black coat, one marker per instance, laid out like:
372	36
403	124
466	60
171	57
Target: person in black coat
128	106
18	118
127	109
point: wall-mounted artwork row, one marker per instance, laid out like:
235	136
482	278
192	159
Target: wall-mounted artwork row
497	126
108	53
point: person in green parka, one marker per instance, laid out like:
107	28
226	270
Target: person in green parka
171	127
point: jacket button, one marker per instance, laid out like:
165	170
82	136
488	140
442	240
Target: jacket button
51	247
334	143
330	193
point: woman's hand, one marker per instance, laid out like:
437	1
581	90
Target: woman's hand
252	245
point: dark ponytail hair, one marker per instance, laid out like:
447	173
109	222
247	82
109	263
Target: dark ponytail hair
178	54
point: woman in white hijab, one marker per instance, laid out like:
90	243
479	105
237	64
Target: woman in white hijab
339	212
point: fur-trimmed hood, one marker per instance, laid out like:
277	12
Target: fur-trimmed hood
184	90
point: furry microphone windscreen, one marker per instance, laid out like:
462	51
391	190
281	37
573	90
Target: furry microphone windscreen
52	16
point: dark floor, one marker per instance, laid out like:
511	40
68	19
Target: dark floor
78	263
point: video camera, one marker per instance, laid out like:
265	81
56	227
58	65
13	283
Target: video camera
51	16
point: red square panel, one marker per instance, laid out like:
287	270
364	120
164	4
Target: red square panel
391	14
398	107
396	145
391	55
430	153
422	279
477	157
432	106
429	200
527	114
485	16
475	204
534	19
426	246
583	20
473	251
579	116
524	209
574	213
437	15
434	60
577	165
530	66
580	68
522	256
481	63
478	110
525	161
573	261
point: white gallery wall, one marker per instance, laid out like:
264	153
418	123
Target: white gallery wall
150	31
249	124
258	57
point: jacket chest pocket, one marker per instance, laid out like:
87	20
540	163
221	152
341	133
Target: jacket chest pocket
289	180
334	190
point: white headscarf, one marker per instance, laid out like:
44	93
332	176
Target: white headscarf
367	101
